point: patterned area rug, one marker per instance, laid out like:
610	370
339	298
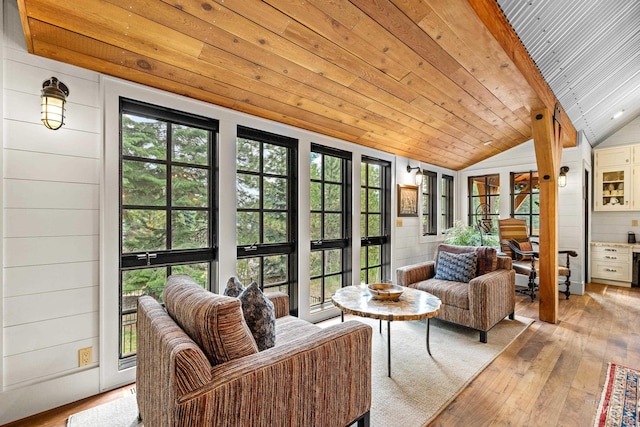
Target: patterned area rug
619	401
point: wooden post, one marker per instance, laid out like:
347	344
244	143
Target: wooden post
548	148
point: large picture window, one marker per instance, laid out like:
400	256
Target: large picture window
166	205
484	202
375	220
266	218
525	199
429	197
330	200
446	206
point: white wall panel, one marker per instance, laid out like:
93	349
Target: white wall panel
50	167
51	222
25	107
50	305
54	195
50	278
21	402
50	250
49	333
28	78
39	364
35	137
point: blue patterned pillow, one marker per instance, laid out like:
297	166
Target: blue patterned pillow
234	287
456	267
260	315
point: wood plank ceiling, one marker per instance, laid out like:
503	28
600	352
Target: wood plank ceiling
420	79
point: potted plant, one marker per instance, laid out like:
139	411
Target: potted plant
465	235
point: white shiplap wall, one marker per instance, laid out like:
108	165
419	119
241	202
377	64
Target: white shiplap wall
51	188
410	246
614	226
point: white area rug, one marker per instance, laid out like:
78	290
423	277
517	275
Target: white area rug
122	412
420	386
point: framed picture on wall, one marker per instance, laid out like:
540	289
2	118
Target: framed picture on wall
407	200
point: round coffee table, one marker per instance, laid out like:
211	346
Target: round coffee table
412	305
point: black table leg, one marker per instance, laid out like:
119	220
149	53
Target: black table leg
428	349
388	347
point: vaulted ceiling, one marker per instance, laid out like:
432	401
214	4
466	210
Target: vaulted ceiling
444	82
589	53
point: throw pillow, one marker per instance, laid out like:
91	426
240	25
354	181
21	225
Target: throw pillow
215	322
260	315
234	287
456	267
524	246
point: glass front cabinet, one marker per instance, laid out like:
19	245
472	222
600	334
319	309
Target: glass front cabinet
617	174
613	189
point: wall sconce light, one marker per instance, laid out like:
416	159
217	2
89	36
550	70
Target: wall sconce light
54	96
418	174
562	179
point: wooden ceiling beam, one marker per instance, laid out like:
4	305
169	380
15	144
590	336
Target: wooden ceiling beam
491	15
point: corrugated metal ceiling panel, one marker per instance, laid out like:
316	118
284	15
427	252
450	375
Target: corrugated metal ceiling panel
589	53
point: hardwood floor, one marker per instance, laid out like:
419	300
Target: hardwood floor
58	417
551	375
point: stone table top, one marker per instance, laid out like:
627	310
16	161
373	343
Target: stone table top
412	304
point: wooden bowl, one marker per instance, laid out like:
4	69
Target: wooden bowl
385	291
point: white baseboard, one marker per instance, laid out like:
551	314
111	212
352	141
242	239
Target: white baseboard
23	402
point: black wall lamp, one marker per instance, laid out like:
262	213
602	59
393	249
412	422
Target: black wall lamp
418	174
562	179
53	98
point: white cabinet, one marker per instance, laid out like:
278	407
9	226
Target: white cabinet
613	188
614	156
635	155
617	178
611	263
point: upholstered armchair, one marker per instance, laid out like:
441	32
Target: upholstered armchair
479	303
197	365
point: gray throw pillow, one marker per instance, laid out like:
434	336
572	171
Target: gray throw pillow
260	316
234	287
456	267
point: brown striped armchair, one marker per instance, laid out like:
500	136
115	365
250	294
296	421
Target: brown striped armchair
198	365
479	304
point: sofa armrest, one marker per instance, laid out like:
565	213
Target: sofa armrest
492	297
415	273
320	379
169	363
504	263
280	302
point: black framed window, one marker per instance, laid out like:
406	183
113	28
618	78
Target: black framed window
375	220
525	199
429	198
330	200
484	202
446	205
167	187
267	218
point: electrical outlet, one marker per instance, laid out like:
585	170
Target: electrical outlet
634	222
398	222
85	356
